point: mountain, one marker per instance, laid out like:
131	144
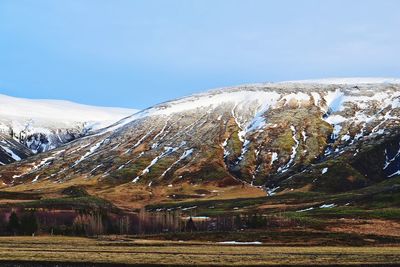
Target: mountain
30	126
253	140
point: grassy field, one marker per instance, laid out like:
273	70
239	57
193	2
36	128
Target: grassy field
123	250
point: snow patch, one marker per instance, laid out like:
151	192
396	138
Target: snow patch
308	209
90	152
388	160
167	151
274	157
304	134
36	179
272	191
185	154
240	243
327	206
11	153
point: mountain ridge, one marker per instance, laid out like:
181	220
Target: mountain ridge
259	137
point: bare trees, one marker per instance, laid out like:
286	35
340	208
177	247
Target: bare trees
89	224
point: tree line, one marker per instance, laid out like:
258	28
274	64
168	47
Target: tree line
91	223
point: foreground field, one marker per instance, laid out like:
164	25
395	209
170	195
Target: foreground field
18	251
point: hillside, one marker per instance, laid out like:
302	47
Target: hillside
245	141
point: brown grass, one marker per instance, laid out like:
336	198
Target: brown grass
126	250
367	227
135	196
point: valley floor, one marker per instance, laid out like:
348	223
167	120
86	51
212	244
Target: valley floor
125	251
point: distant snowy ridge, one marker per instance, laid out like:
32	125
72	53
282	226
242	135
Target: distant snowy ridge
42	125
47	112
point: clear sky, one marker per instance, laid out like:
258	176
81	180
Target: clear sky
133	53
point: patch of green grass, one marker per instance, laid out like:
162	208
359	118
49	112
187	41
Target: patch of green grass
355	212
285	141
234	143
304	219
132	170
383	200
86	202
163	164
75	191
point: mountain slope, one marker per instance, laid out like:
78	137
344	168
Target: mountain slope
292	136
42	125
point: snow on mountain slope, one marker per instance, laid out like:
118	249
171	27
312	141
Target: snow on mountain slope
11	150
41	125
246	94
258	134
59	112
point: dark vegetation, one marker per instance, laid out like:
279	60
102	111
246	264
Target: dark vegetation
80	214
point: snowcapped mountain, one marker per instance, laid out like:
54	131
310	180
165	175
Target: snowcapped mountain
42	125
276	136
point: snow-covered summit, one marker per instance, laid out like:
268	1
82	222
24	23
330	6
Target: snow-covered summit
41	125
44	112
266	95
349	80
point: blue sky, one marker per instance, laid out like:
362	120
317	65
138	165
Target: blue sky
133	53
